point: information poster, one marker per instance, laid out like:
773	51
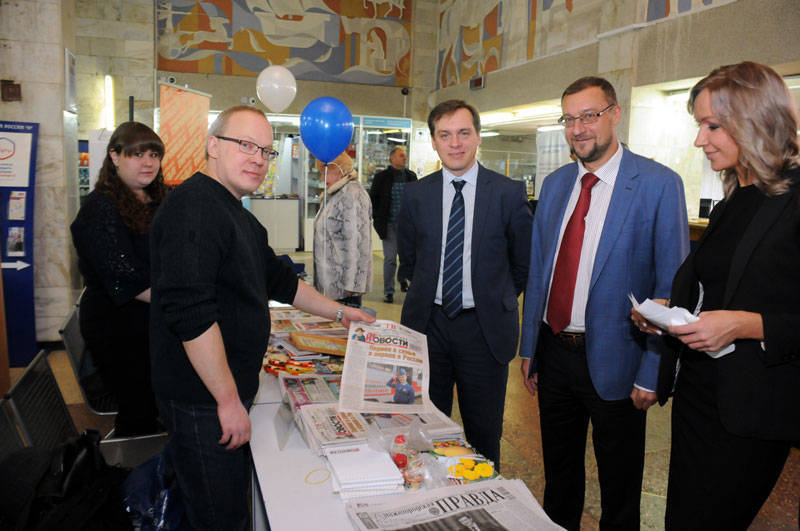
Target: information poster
17	166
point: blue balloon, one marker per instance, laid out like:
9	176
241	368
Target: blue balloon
326	127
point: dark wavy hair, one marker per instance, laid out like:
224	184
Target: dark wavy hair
127	139
753	104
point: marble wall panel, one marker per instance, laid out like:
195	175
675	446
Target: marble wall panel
83	46
98	27
41	103
138	10
88	8
135	30
47	27
51	262
141	88
50	161
124	66
50	205
617	52
137	49
17	19
93	64
111	10
104	46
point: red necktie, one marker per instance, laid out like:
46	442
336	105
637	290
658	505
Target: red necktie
562	290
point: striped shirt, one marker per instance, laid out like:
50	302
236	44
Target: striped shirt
595	218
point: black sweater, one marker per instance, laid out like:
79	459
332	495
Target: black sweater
211	262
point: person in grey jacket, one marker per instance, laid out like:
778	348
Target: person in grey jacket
343	235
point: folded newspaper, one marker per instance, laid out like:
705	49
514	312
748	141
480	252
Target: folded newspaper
385	369
493	504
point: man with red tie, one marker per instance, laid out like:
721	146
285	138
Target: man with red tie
609	224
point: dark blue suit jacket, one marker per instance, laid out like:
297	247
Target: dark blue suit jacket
500	248
645	238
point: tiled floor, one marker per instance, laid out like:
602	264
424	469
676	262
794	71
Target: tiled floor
521	445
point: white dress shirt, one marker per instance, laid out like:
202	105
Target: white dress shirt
595	218
470	179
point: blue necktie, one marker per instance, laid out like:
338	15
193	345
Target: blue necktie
454	255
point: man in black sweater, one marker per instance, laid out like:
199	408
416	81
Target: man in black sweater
213	273
386	193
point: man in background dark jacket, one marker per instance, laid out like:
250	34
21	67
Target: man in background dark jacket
386	193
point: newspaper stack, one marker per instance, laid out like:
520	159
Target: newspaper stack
285	320
301	390
493	504
359	471
286	347
325	426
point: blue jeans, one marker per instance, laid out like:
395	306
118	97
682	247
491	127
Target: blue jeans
214	482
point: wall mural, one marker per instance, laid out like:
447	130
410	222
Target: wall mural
480	36
470	39
659	9
364	41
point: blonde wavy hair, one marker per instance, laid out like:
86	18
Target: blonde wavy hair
754	105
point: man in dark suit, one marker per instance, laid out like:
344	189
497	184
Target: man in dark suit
464	240
609	224
386	193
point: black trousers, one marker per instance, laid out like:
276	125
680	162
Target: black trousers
717	480
459	355
567	402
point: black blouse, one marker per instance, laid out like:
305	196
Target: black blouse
115	264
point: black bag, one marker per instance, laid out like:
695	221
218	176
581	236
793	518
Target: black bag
68	487
152	498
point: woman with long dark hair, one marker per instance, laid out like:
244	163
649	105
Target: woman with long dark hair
111	236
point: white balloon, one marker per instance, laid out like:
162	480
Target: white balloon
276	87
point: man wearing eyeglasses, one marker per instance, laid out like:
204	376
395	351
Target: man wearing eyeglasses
212	275
609	224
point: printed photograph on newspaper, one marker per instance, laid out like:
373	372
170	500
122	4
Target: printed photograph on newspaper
385	369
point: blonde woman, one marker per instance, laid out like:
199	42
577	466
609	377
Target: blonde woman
736	403
343	235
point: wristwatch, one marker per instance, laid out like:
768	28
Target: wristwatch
339	314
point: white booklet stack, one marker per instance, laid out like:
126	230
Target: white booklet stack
358	471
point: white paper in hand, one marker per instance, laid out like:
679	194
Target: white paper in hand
664	317
660	315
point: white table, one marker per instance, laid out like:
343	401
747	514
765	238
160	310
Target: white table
295	483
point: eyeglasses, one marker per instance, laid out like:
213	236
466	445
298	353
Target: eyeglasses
245	146
585	118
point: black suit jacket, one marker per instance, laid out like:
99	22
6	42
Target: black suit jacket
381	195
758	389
501	240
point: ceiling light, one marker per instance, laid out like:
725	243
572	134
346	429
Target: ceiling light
496	117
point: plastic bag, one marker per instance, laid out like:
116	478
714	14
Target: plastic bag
151	496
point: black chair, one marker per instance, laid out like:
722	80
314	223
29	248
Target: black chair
38	406
45	420
98	399
130	452
10	437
